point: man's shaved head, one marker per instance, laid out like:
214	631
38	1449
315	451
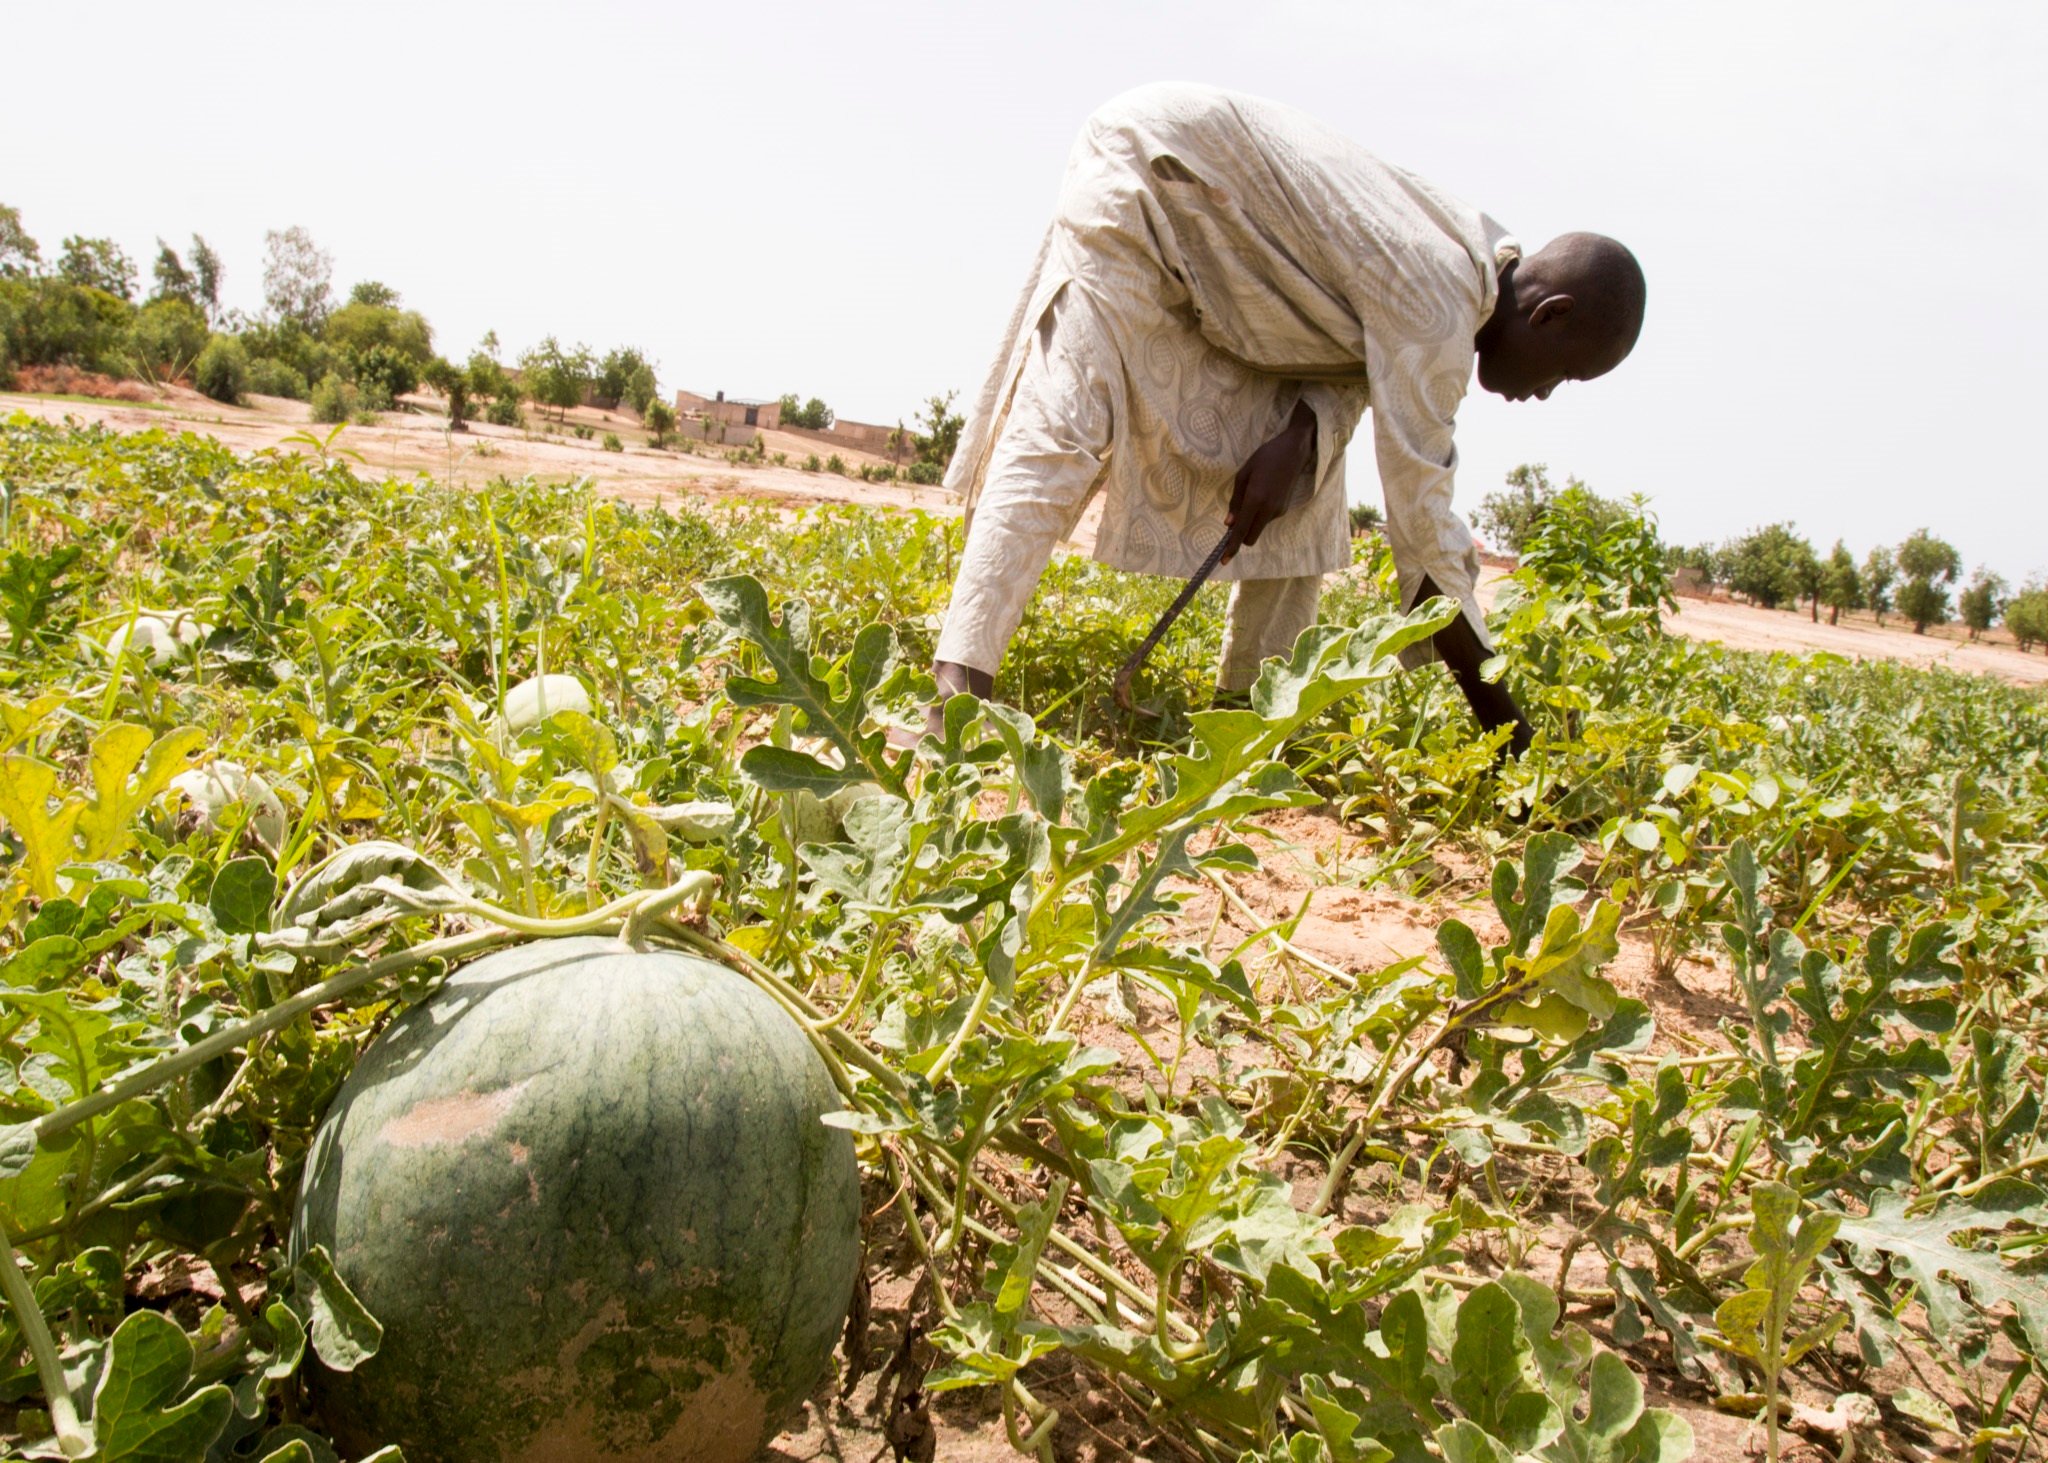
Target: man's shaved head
1569	312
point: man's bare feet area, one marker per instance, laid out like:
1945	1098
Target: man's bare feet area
954	679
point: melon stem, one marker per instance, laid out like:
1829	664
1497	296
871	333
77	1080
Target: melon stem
72	1437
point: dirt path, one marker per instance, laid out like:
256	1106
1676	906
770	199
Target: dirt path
405	443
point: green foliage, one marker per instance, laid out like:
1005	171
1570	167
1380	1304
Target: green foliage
813	414
381	372
98	264
454	385
1290	1204
20	255
335	400
2027	616
660	420
1880	573
51	321
936	443
1366	518
1599	551
173	280
298	280
358	328
166	339
611	443
375	294
836	463
1841	587
1982	602
1927	565
1756	1322
207	273
552	376
624	375
1508	516
222	370
270	377
1771	566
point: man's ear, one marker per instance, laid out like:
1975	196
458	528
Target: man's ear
1551	307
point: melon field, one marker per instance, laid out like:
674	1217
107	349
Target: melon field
1296	1080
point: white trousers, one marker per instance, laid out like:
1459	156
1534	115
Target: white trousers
1045	466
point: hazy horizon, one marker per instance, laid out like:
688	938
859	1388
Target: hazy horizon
1834	205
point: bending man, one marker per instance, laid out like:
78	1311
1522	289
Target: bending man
1226	286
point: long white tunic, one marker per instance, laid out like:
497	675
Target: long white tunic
1239	257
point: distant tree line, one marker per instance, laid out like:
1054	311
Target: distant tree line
81	310
1921	579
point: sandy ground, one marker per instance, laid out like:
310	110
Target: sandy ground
404	443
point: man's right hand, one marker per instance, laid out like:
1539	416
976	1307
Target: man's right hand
1463	652
1267	479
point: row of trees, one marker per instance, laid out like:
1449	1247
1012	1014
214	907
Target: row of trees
1921	579
361	355
1774	566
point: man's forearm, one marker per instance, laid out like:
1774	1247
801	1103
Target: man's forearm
1463	653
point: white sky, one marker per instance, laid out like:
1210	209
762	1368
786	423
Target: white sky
1840	206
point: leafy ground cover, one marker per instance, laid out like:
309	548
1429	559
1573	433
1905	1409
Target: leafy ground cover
1147	1174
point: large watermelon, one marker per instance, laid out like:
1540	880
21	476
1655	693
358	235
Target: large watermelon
587	1193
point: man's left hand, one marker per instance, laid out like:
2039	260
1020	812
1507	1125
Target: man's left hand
1266	481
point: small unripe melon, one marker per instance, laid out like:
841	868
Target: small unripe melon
537	698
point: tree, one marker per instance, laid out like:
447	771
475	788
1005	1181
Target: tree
166	339
374	293
173	280
1701	559
1880	572
362	327
1841	587
98	264
206	277
813	414
552	376
222	370
1927	565
454	384
623	375
20	255
938	441
1980	604
1769	566
297	278
1508	517
660	418
1366	518
2027	615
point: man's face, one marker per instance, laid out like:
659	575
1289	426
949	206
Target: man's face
1537	352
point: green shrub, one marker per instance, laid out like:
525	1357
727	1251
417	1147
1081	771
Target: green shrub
335	400
660	419
926	474
611	442
271	377
504	412
166	339
836	463
382	372
52	322
582	433
222	370
363	327
811	463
